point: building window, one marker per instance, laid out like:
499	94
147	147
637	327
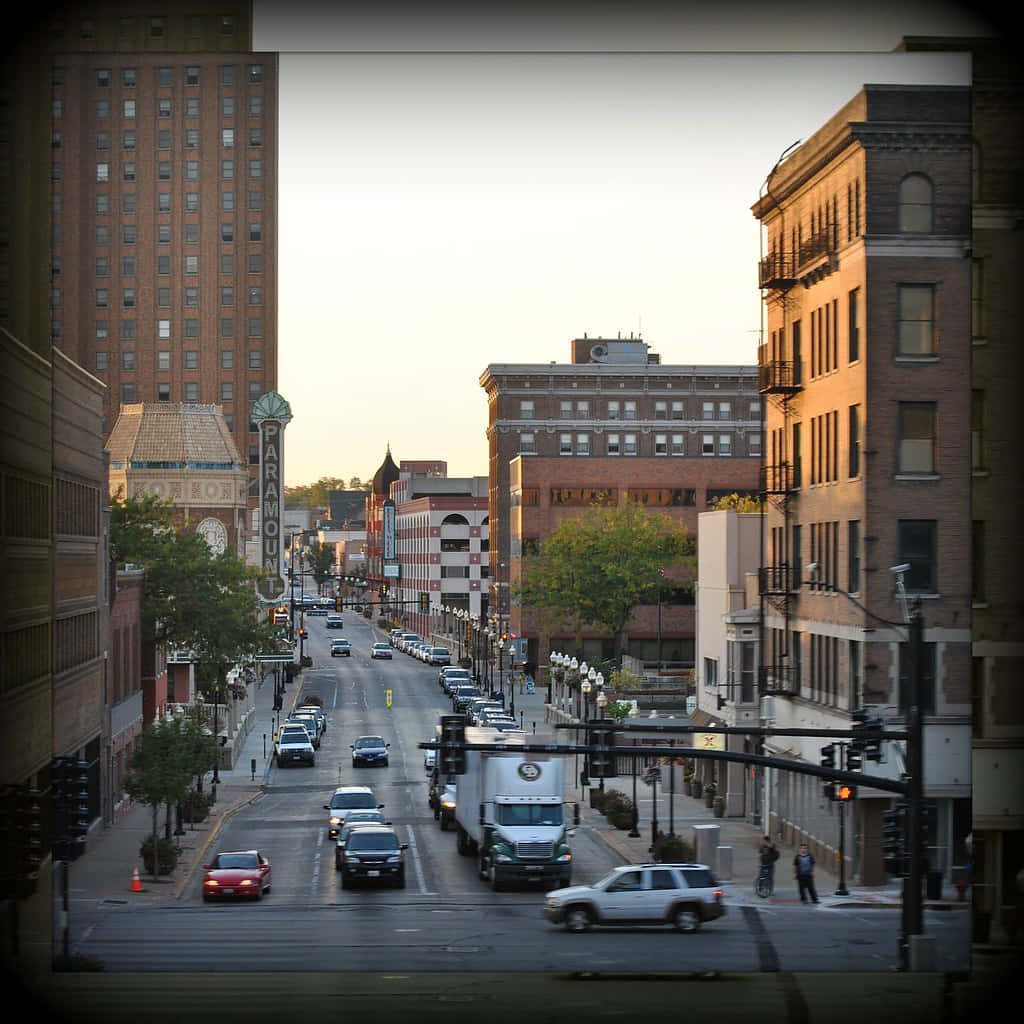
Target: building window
707	444
102	266
629	410
708	410
128	330
163	234
527	444
227	327
227	232
102	78
227	200
255	295
754	444
916	327
192	233
163	139
191	172
255	359
915	204
128	392
710	674
661	410
192	297
192	107
677	445
255	232
917	548
163	330
255	106
192	356
255	261
191	328
255	327
565	410
853	327
526	410
102	329
128	140
103	172
156	30
163	360
977	429
255	200
565	444
255	390
853	453
725	444
724	410
613	410
853	556
163	170
917	437
192	76
629	444
191	391
102	110
103	140
677	410
612	446
163	202
978	561
128	297
192	206
227	296
227	106
191	264
227	262
255	136
255	168
661	444
582	444
163	298
227	168
227	391
101	362
127	360
128	109
227	359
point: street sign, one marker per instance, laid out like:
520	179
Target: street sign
275	659
708	741
652	775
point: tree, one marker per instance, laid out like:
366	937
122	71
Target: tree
159	772
739	503
193	600
596	569
320	558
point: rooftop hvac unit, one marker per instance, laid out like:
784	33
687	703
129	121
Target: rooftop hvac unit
768	710
598	352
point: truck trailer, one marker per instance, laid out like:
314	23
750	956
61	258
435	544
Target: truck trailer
510	812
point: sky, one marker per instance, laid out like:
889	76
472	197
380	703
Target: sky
443	208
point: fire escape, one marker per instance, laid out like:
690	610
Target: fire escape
779	382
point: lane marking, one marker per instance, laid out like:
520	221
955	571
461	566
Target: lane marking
416	860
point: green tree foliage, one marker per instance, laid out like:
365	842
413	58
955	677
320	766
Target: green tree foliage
193	600
596	569
161	768
319	559
739	503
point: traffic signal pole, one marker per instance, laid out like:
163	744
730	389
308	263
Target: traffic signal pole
912	903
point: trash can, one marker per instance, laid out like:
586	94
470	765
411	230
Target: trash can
933	885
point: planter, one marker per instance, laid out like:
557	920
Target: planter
718	807
709	798
622	820
695	789
168	855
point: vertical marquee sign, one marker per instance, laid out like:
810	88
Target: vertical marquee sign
271	413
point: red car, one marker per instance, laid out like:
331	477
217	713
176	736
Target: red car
244	874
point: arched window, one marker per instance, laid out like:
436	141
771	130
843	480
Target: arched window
916	204
455	519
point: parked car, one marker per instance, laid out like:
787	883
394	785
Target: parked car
480	704
373	853
318	712
345	800
341	648
439	656
682	895
293	746
241	874
370	750
380	650
429	760
310	724
463	695
406	639
452	672
335	620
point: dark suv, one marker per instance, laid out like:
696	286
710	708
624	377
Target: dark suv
373	854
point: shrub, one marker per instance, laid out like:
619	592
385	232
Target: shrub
167	852
673	849
616	802
196	806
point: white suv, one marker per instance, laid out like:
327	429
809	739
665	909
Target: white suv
682	895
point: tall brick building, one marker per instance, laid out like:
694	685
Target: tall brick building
674	437
864	365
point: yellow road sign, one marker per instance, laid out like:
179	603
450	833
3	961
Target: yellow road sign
709	741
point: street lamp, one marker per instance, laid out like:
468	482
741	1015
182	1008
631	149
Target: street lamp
634	832
511	678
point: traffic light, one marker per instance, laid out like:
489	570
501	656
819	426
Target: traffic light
453	730
337	602
854	761
845	792
828	756
893	821
603	763
303	632
873	746
424	602
829	790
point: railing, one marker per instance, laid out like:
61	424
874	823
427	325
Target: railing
777	479
776	270
777	375
776	579
783	679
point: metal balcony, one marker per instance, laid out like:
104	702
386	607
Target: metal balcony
782	680
775	580
777	479
778	377
776	271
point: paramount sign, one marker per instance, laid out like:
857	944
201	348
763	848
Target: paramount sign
272	414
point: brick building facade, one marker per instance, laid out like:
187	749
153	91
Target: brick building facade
864	365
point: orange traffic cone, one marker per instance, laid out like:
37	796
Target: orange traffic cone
136	884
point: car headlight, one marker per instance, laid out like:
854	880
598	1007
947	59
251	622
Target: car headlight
394	860
553	902
351	860
448	804
336	820
502	858
565	857
245	881
212	882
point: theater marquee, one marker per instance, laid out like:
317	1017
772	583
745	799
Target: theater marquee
271	414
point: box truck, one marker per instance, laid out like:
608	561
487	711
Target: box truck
510	812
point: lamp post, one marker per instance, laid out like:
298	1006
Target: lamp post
511	666
602	703
557	675
634	832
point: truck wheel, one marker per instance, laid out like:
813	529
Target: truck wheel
578	919
496	884
685	918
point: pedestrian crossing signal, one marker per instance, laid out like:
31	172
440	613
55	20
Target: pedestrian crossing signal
844	792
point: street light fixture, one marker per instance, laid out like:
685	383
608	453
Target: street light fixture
511	666
634	832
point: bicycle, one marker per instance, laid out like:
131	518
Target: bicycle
764	885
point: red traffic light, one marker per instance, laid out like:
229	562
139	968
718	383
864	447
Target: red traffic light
844	792
303	633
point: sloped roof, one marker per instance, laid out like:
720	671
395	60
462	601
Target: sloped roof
184	436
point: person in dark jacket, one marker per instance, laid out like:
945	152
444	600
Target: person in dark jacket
768	854
803	872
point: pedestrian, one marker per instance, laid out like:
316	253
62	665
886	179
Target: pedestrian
768	854
803	872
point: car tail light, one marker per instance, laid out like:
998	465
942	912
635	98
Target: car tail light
719	894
